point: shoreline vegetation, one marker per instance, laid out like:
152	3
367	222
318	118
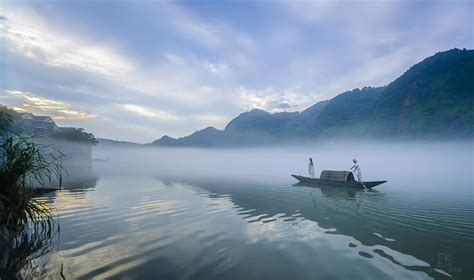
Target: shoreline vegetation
26	223
28	167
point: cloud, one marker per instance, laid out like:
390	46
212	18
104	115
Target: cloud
217	68
212	35
184	81
177	63
28	35
28	102
311	11
150	113
195	29
111	76
272	100
370	74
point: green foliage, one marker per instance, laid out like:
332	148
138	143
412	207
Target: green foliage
27	226
5	121
75	135
24	163
434	97
12	120
6	118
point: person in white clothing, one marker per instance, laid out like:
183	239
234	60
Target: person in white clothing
311	168
356	170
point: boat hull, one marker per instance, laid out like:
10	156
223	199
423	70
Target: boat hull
320	182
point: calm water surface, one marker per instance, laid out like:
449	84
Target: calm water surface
237	224
256	228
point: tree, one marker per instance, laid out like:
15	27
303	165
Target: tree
75	135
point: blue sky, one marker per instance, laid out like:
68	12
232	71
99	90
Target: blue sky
137	70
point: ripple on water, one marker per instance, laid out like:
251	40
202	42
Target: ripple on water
176	230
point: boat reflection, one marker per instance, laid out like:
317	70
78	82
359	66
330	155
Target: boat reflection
333	192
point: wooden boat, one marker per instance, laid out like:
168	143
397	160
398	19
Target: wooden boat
336	179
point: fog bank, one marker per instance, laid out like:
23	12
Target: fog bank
443	167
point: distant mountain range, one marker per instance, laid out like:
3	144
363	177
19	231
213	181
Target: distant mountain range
433	99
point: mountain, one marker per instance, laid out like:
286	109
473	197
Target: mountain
432	99
165	141
260	127
341	116
201	138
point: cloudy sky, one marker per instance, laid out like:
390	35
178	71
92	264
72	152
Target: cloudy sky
139	70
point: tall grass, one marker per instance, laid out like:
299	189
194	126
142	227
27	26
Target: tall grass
27	225
24	164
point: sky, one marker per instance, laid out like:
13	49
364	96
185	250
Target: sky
138	70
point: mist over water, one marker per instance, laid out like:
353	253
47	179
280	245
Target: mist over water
191	213
416	166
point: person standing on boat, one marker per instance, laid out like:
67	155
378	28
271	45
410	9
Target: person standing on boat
311	168
356	170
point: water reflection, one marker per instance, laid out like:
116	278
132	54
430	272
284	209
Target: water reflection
80	185
428	226
20	253
141	227
23	254
334	192
75	187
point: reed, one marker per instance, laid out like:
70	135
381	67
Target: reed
23	164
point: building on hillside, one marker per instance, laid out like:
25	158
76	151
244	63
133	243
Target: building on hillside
37	125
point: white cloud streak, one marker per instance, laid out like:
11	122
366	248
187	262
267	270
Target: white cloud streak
150	113
29	102
28	35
